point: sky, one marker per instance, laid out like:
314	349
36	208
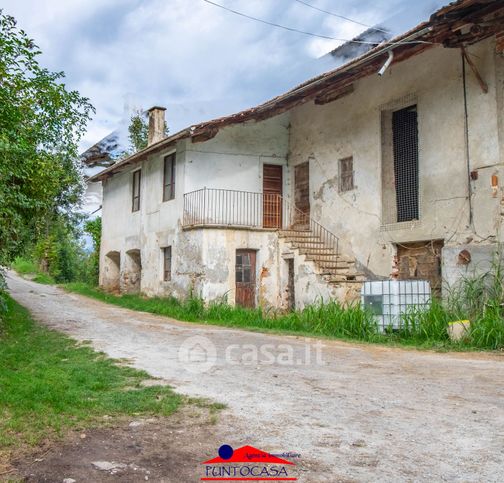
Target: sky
195	59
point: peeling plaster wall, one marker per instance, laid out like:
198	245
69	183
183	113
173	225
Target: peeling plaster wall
202	259
218	264
309	286
482	257
234	158
351	126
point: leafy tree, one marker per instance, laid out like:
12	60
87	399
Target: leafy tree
41	122
94	228
138	130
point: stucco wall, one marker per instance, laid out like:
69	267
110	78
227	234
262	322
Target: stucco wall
203	260
351	126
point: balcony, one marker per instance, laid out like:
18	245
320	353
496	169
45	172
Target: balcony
233	209
221	208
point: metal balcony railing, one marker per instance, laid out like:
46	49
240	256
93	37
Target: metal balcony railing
245	209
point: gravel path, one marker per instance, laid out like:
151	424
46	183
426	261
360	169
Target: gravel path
367	413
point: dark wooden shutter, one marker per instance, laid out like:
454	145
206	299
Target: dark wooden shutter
137	178
302	187
346	174
169	177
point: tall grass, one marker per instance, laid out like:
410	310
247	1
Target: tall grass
479	298
25	266
426	326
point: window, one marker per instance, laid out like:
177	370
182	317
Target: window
137	176
169	177
243	267
167	263
405	146
346	174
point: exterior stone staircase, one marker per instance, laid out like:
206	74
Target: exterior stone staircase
336	269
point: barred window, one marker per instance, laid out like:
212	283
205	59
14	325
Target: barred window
137	177
167	263
169	177
346	174
405	142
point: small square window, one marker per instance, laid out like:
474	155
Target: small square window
346	174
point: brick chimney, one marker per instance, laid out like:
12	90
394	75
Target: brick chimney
156	124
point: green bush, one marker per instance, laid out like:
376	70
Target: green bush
24	266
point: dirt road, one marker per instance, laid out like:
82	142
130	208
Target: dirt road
365	414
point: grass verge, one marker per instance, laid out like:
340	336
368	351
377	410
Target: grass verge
427	330
49	384
26	267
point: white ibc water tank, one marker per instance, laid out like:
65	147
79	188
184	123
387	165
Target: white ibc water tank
388	299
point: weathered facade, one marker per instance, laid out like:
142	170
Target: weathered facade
350	176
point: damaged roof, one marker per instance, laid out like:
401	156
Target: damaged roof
456	25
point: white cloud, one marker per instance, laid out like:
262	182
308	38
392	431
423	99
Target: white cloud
197	60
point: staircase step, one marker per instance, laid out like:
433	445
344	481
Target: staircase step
334	263
337	271
295	233
354	278
340	266
305	239
283	233
313	255
331	257
307	242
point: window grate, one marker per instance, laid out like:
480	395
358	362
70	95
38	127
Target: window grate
405	144
243	268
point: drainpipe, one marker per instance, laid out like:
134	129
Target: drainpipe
387	63
466	134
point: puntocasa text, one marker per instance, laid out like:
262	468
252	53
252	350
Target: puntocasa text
246	470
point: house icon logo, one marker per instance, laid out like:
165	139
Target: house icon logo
248	464
197	354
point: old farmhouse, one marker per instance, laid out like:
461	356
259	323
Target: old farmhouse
389	166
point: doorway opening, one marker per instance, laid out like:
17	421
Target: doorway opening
245	278
421	261
112	271
133	273
291	290
302	195
272	195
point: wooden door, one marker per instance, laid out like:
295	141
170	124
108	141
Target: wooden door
422	261
245	278
302	195
291	287
272	190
